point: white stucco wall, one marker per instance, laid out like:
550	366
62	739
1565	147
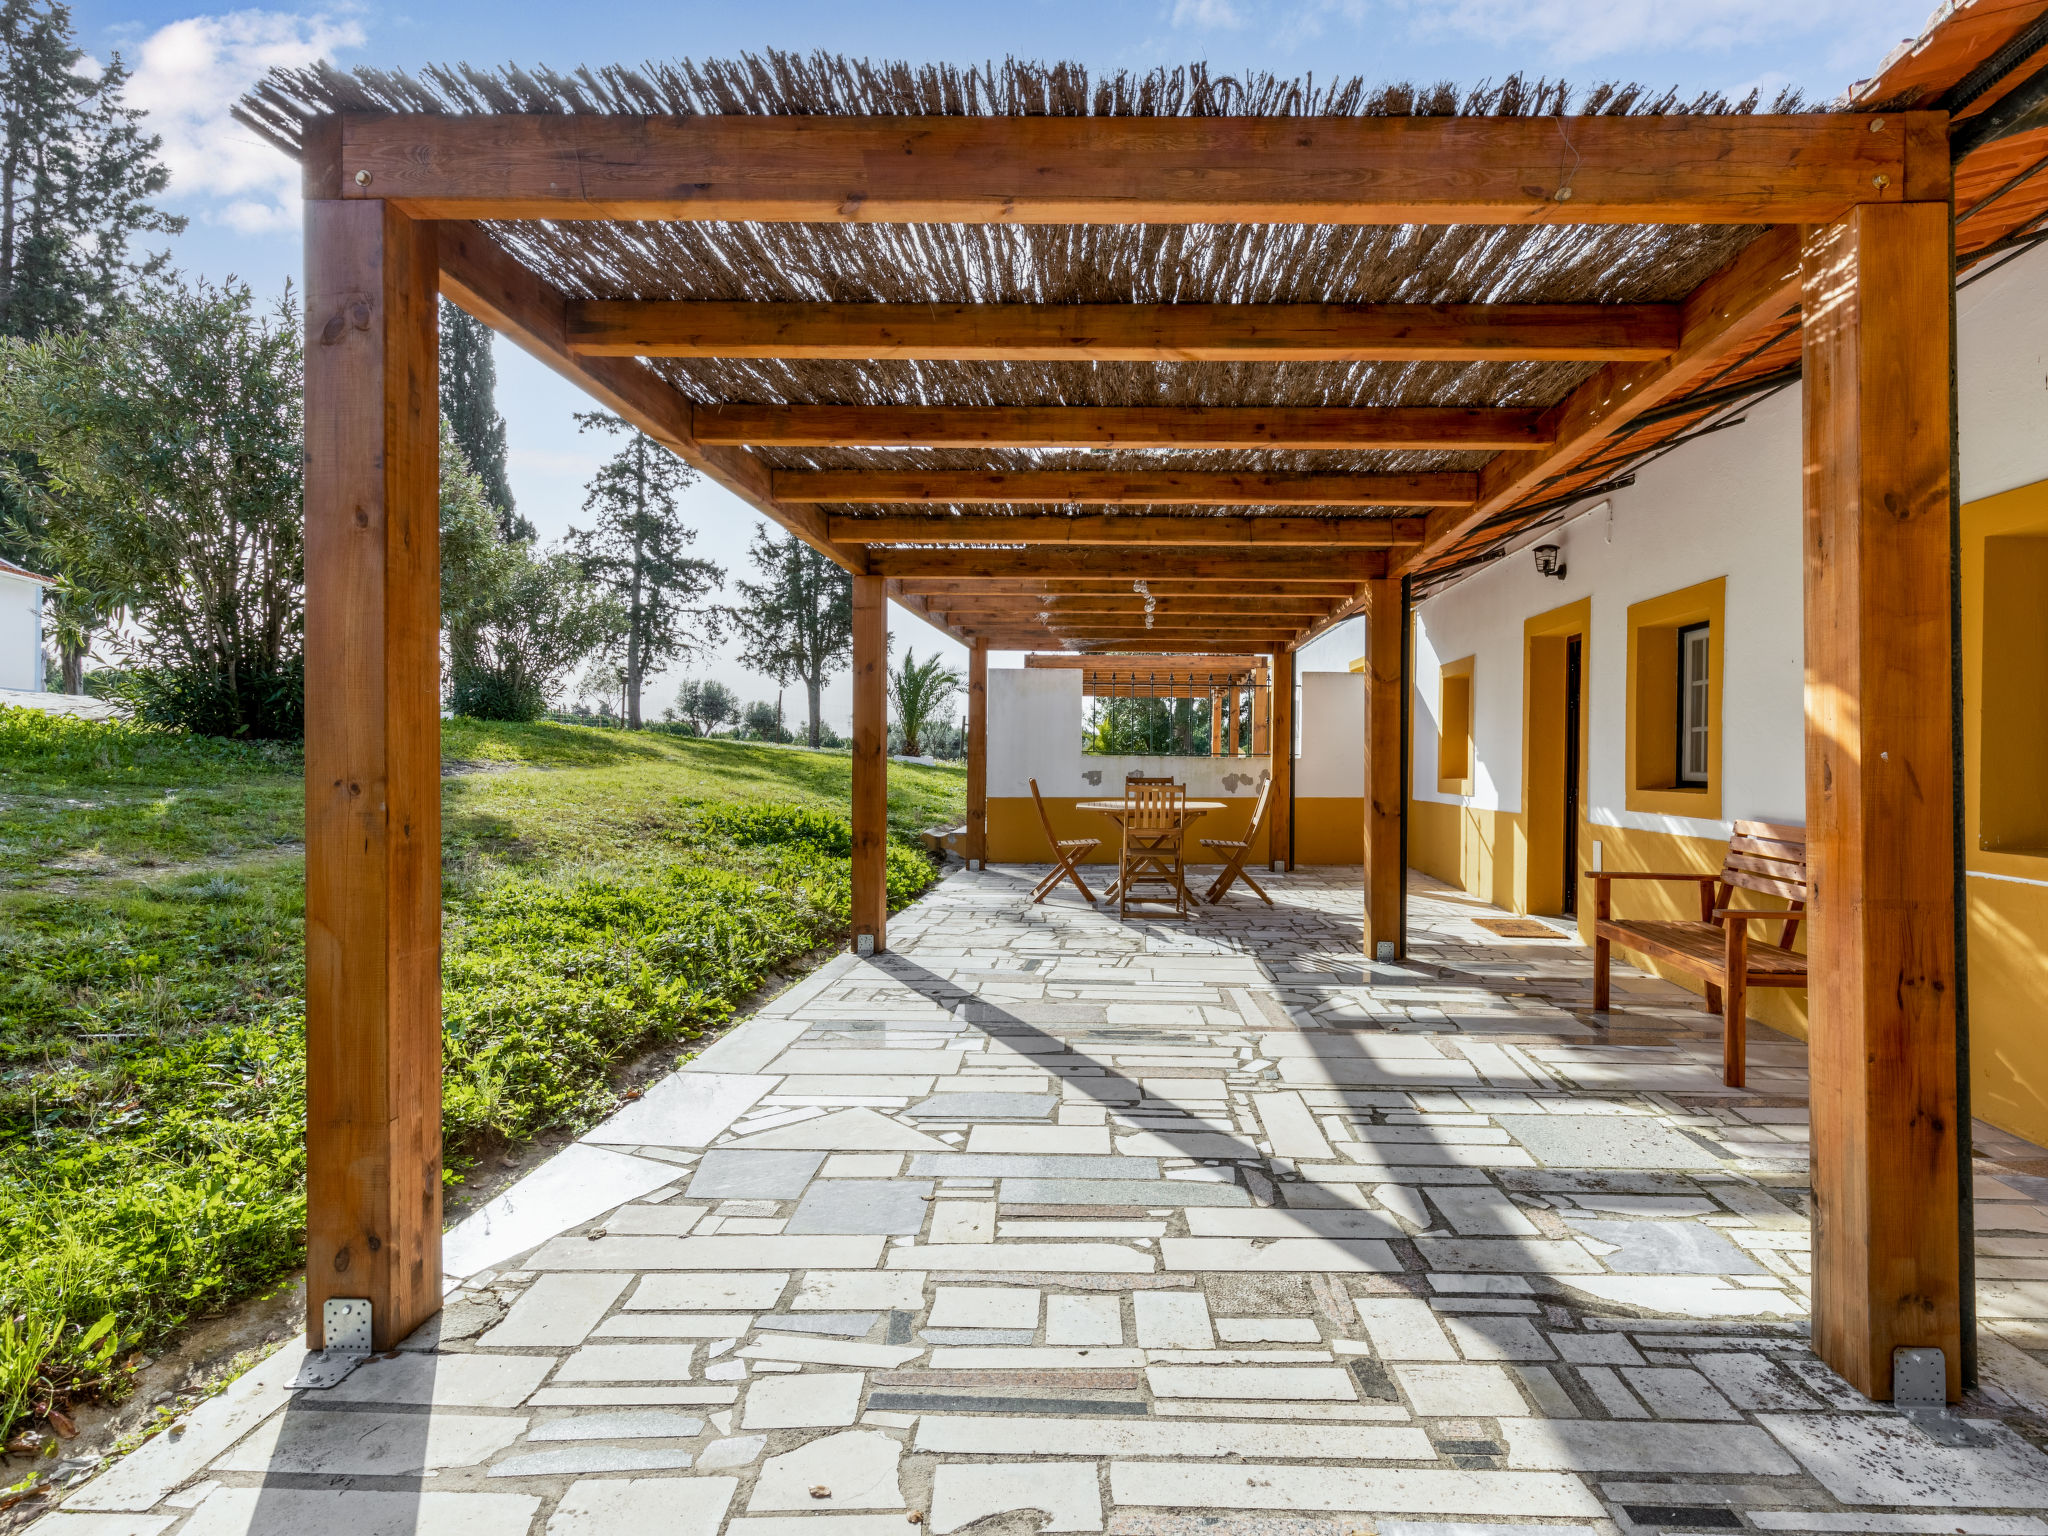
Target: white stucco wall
1034	731
1728	506
21	634
1332	713
2002	378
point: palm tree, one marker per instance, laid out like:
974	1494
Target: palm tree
920	689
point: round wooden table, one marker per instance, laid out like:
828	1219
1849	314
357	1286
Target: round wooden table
1114	810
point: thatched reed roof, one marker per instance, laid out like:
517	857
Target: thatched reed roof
1009	264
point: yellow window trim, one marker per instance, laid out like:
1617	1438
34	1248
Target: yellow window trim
1454	715
1653	626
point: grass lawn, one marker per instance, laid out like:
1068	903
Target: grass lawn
604	893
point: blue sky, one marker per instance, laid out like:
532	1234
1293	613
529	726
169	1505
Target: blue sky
241	196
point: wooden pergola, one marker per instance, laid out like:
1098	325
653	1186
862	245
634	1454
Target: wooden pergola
1844	256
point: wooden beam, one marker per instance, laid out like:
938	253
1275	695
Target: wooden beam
1177	664
1064	623
1128	426
1670	169
373	768
922	607
1263	637
1386	776
1879	372
1108	586
1118	647
1734	306
486	280
1280	811
1313	566
1220	531
977	752
1103	487
1125	333
870	763
1303	608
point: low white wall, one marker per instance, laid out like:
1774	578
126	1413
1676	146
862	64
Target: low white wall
1034	731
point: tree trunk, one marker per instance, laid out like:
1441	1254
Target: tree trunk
73	660
814	690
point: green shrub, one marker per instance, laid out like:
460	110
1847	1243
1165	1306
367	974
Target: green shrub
258	703
481	693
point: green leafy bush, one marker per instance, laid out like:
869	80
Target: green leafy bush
487	693
258	703
751	825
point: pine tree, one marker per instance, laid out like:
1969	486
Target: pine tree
469	399
635	551
76	176
798	620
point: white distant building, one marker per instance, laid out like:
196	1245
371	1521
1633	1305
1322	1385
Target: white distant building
21	629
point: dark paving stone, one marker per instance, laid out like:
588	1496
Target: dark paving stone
1683	1517
862	1207
753	1175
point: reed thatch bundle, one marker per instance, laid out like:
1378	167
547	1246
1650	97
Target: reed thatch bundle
999	264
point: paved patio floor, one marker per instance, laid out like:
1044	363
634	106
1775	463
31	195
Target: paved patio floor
1048	1222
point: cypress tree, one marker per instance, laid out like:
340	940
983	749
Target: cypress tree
469	399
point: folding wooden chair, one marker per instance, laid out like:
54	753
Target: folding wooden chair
1066	854
1232	851
1155	825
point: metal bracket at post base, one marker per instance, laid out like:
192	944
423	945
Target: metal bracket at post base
1920	1393
345	1326
864	945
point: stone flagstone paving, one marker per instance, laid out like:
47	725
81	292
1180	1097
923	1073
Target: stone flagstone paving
1046	1222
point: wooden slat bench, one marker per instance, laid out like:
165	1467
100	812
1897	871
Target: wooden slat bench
1762	857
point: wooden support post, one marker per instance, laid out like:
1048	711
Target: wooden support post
373	768
1215	723
1280	817
1385	773
977	751
1262	706
870	762
1879	286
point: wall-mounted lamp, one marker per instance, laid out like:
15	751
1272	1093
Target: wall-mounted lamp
1549	561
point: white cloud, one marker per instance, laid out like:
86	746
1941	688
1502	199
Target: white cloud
1207	15
188	75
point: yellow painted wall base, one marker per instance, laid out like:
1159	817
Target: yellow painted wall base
1329	830
2008	993
1016	837
1476	850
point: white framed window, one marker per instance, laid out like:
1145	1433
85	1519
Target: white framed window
1695	727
